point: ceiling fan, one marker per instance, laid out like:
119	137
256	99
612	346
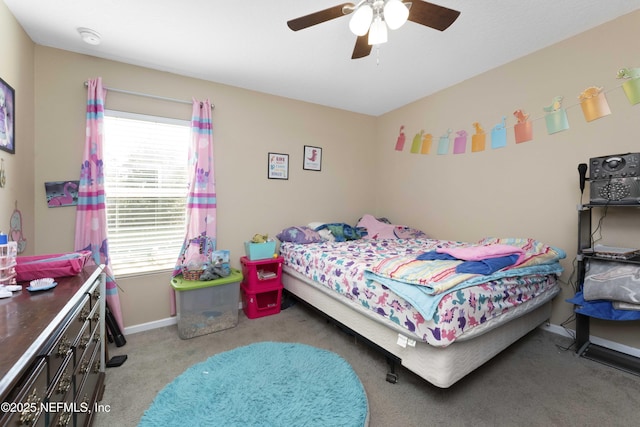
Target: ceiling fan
371	18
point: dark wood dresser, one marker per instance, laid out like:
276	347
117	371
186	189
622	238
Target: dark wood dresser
52	357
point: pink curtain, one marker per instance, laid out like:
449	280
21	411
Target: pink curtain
200	235
91	218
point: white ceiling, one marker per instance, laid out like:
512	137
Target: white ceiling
248	44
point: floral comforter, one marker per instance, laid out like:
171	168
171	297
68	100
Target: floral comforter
347	268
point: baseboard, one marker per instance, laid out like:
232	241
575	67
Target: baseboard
557	329
150	325
157	324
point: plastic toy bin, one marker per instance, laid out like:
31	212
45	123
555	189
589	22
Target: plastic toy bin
261	275
255	251
204	307
261	304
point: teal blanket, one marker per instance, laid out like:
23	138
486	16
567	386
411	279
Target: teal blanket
426	303
424	283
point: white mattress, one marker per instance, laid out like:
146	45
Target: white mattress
441	366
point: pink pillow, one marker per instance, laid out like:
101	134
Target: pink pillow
404	232
376	229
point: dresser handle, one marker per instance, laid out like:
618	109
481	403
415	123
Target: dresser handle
64	385
64	419
27	417
84	341
63	347
84	315
96	367
84	368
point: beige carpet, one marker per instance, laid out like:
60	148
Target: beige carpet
533	383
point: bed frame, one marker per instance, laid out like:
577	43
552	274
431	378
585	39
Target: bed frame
441	366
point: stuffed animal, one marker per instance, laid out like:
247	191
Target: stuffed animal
215	271
259	238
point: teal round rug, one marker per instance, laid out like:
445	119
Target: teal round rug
263	384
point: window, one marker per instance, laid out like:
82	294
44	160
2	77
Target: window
146	184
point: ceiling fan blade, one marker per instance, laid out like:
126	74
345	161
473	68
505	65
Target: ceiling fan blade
362	47
432	15
320	16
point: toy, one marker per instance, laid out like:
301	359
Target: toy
215	270
259	238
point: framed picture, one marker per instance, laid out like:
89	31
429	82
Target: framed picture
312	159
7	118
278	166
61	193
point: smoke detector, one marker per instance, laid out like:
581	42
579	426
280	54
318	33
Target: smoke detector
89	36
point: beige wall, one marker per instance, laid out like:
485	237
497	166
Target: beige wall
524	190
16	69
247	125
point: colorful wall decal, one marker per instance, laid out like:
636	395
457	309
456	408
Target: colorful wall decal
443	143
594	103
523	129
478	139
460	142
15	224
556	116
400	140
499	134
632	86
592	100
427	140
417	142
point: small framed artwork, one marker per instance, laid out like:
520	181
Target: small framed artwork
7	118
312	158
62	193
278	166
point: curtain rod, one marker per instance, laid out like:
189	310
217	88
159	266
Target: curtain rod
146	95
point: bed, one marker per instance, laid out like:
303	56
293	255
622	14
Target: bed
420	313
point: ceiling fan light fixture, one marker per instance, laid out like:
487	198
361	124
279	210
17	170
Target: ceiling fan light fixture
395	14
378	31
361	20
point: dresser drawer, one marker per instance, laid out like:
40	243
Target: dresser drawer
94	293
83	342
63	344
62	386
87	376
64	418
88	361
31	393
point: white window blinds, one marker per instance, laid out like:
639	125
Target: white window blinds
146	187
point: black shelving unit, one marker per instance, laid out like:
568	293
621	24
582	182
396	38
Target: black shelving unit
584	347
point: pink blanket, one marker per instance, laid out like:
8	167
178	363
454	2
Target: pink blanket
478	253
